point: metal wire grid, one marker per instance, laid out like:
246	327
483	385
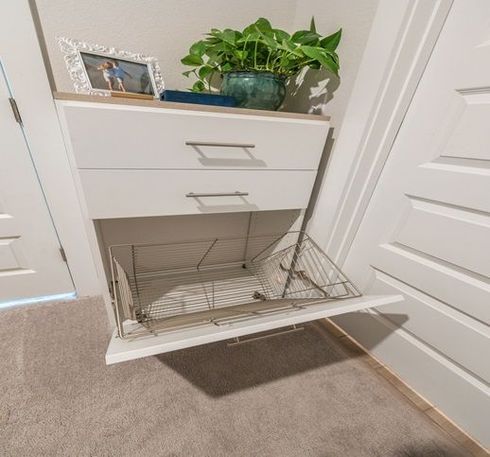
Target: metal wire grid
303	271
161	282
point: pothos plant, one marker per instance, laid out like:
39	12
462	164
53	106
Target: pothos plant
260	48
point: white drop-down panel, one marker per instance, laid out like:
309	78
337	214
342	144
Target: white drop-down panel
120	350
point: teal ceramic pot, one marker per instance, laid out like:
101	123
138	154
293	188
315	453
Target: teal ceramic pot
256	90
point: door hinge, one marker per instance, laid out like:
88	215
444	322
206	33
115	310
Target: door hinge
63	254
15	110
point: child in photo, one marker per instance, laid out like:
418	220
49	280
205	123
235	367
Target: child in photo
112	73
119	74
107	69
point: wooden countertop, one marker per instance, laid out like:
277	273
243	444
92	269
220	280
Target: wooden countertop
185	106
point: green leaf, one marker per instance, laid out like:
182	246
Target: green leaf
192	60
198	48
332	41
241	55
281	35
213	54
305	37
227	67
249	30
291	47
198	86
221	47
270	42
212	39
312	25
187	73
298	35
263	25
321	56
249	38
229	36
205	71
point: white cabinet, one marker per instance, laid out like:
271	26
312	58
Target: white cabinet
138	193
199	209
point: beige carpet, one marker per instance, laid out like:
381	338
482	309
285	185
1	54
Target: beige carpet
294	395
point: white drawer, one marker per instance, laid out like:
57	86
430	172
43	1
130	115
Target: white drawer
139	193
111	136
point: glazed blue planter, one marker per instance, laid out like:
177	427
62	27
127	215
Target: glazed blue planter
255	90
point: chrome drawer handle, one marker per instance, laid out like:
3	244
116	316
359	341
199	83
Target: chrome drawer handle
220	145
218	194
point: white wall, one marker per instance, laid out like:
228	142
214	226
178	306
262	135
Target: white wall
161	28
165	29
322	93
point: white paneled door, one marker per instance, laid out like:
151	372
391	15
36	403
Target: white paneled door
31	265
426	232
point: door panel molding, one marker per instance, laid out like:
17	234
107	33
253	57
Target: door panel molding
30	265
426	228
414	39
455	333
452	284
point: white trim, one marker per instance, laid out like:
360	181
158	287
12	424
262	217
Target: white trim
36	300
391	344
402	38
22	58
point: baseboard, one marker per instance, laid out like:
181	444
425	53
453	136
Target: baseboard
436	414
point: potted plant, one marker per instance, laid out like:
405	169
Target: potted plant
256	62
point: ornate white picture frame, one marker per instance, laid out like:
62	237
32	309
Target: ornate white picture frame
120	71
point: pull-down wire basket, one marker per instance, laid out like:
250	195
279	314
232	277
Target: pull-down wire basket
161	287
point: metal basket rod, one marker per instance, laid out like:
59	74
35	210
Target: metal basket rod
206	253
120	329
294	261
336	267
270	245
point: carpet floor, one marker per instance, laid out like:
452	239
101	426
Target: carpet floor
299	394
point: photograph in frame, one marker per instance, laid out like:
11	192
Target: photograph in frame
99	70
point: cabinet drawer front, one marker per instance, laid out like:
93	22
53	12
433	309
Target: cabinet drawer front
109	137
139	193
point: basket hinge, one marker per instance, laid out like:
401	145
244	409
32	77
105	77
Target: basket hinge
15	110
63	254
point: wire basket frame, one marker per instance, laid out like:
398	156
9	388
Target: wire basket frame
160	287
